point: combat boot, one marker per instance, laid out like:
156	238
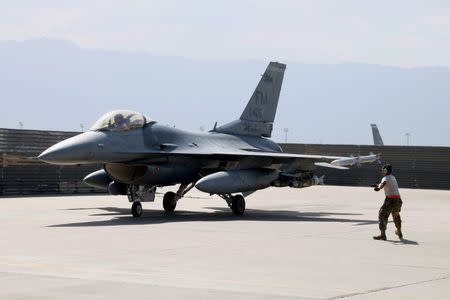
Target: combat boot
399	233
382	236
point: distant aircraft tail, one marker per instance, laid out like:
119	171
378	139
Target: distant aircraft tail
376	135
259	114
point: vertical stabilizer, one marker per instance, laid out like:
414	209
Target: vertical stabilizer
376	135
259	114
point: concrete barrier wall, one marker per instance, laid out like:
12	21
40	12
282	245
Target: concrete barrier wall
22	174
414	167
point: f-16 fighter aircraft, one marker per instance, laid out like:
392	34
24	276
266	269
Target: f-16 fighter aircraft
139	155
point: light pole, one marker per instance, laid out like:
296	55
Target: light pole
21	125
82	127
407	138
286	130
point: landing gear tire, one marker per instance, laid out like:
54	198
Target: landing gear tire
238	205
136	209
169	201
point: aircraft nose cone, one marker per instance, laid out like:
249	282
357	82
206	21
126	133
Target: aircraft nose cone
47	156
75	150
61	153
56	155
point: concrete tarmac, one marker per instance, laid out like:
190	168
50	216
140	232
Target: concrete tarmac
313	243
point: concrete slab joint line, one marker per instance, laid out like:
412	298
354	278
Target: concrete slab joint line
389	288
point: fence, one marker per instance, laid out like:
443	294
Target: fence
414	167
22	174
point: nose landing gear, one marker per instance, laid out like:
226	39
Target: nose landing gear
140	193
136	209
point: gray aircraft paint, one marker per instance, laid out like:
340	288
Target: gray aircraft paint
237	181
259	114
234	158
377	140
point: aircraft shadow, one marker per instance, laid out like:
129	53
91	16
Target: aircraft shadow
122	216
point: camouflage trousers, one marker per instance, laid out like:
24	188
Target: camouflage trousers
390	206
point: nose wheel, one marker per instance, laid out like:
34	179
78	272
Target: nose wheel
136	209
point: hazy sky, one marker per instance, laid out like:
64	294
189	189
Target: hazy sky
400	33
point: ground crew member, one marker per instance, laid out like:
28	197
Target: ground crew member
392	204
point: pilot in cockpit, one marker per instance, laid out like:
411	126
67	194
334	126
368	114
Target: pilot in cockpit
120	123
122	120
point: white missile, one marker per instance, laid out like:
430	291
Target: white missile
355	160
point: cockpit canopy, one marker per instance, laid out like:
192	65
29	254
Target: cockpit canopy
120	120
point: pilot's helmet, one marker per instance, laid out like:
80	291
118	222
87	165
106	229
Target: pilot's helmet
118	118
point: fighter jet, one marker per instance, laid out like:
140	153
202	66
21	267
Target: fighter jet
234	160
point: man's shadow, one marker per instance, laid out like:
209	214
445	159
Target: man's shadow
403	242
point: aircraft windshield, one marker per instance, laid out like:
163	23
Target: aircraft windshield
119	120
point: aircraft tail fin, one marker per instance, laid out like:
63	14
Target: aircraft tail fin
376	135
259	114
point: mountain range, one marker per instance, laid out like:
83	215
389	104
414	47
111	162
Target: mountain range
56	85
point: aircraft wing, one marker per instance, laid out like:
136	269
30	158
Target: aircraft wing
285	158
277	157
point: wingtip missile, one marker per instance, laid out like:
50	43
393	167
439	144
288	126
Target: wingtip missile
358	160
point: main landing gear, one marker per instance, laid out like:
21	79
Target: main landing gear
236	203
170	199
